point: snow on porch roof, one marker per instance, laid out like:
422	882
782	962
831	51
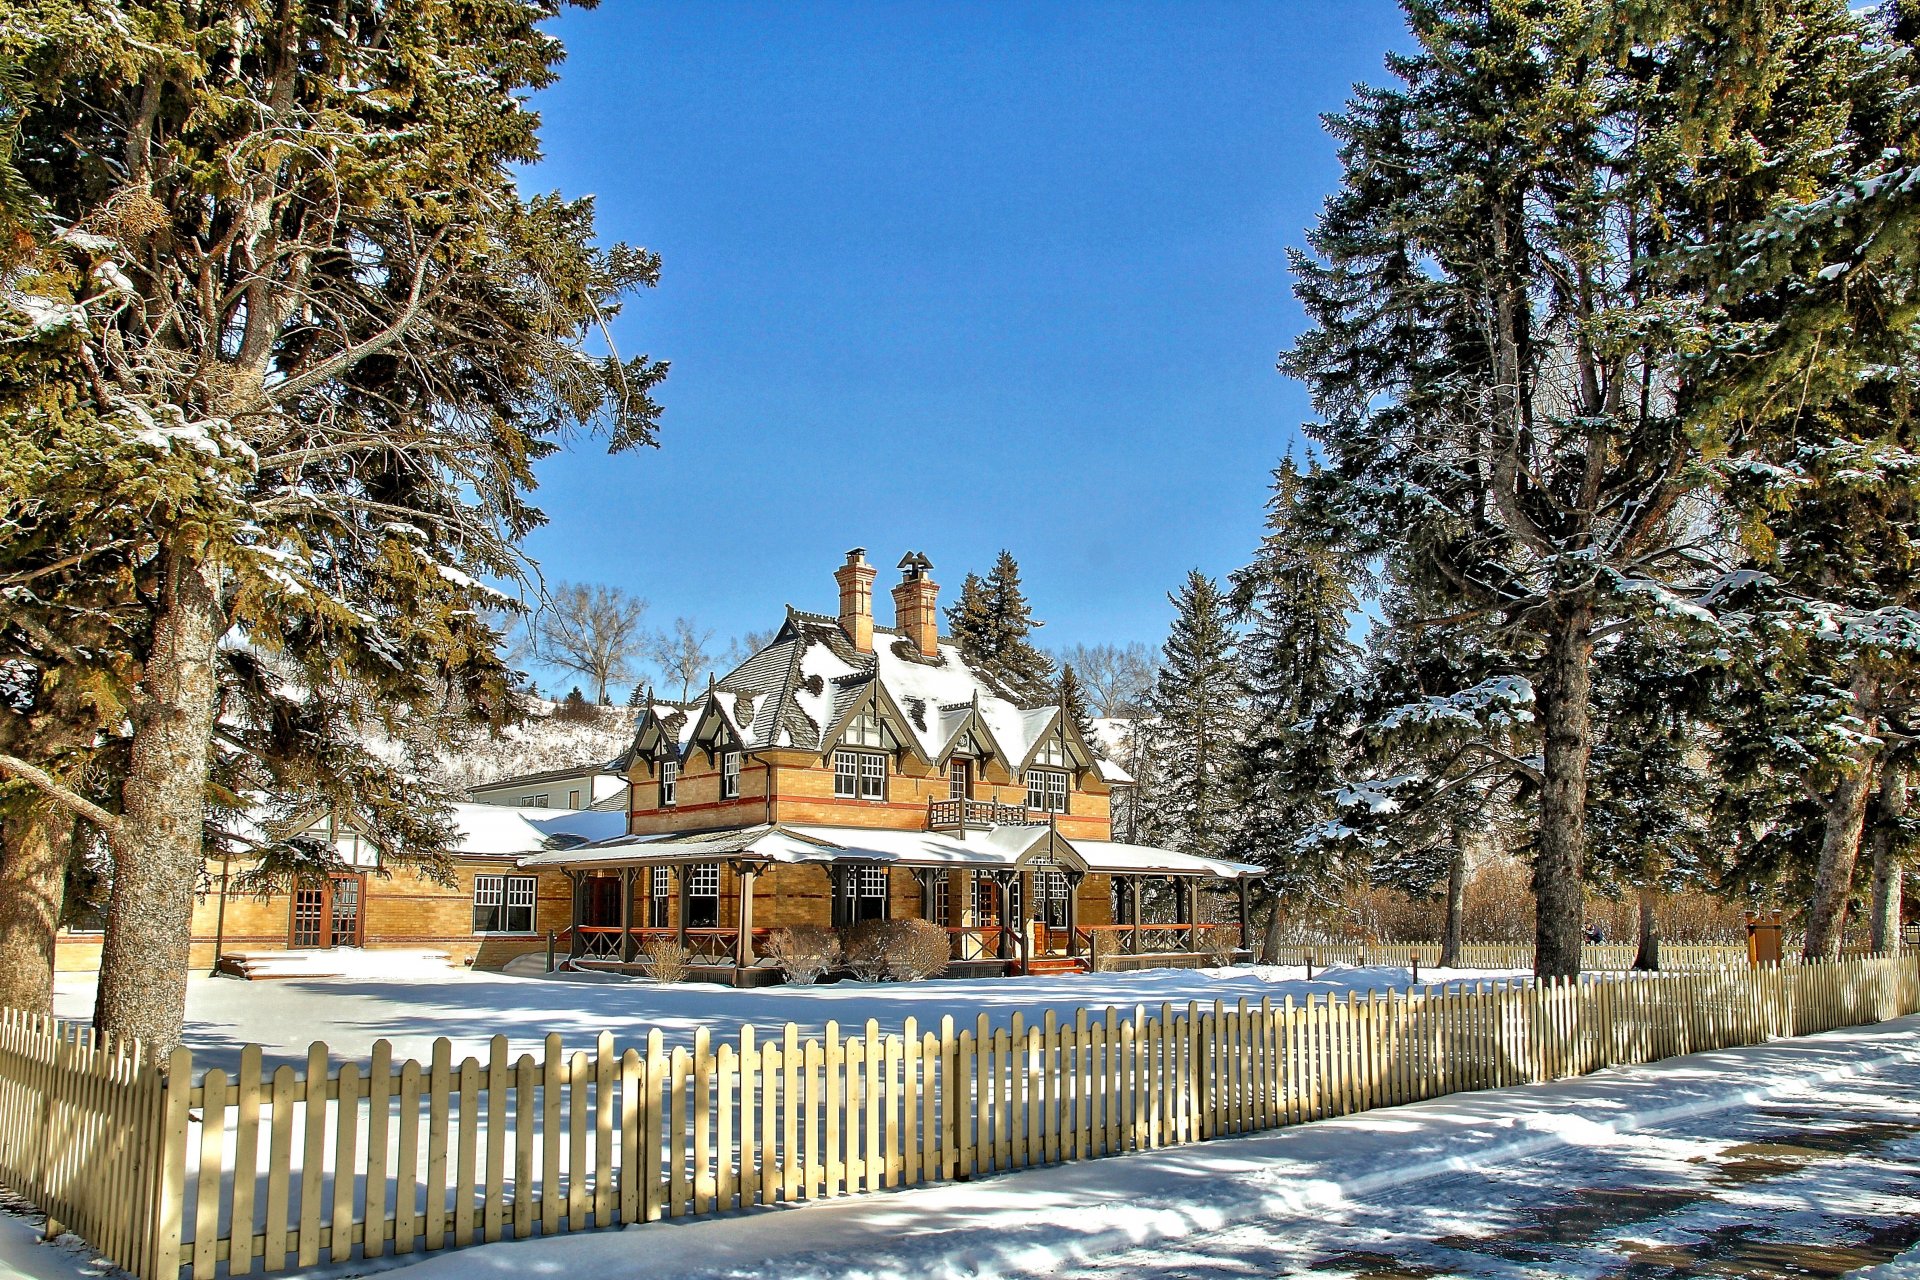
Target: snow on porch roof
998	846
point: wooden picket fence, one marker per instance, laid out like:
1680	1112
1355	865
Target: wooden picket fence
164	1172
1594	956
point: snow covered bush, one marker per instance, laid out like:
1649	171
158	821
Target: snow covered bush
666	960
804	952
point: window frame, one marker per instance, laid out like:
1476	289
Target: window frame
730	762
669	783
698	875
505	894
1044	787
853	771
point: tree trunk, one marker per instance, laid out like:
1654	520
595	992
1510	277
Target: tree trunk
1890	807
35	843
1456	908
1647	956
1564	705
157	846
1845	818
1271	942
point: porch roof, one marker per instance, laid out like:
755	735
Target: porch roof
1002	845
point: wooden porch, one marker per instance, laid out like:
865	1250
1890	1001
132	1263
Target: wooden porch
1004	923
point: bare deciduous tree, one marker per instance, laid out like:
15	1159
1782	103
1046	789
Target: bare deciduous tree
1117	677
681	652
592	631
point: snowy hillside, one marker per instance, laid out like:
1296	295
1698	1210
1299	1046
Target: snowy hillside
543	741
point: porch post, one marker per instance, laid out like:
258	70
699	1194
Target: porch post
626	915
1190	890
1073	879
743	945
573	915
680	886
1246	925
925	876
1003	885
1133	902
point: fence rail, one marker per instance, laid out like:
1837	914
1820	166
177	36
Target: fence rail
164	1172
1594	956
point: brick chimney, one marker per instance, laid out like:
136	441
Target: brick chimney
856	598
916	614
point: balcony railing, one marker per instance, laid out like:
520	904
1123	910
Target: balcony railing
949	815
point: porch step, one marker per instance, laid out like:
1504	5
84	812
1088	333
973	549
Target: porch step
1047	966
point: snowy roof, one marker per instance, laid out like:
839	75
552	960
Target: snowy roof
802	689
499	830
1002	845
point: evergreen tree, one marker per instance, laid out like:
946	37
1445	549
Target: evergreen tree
329	336
1810	351
1502	351
1443	763
1196	725
1650	808
991	623
1073	697
1296	600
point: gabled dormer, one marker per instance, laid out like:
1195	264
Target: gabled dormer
966	734
872	721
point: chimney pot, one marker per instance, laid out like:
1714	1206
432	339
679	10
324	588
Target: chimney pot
916	598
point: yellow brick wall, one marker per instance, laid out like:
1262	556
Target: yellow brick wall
698	806
802	787
405	910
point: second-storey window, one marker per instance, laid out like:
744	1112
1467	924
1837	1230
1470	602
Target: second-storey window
729	775
669	782
859	775
1047	790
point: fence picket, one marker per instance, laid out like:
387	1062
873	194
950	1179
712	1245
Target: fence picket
105	1142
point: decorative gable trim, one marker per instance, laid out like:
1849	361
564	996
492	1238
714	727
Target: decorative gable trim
876	700
975	726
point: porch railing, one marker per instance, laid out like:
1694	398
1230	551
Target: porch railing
708	945
945	815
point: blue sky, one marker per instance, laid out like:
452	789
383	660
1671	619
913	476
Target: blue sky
947	278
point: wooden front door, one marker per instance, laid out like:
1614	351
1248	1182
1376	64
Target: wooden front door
328	915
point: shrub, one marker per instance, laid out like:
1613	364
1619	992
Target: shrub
666	960
919	949
803	952
896	950
866	946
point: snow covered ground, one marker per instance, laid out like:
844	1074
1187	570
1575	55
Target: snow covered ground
1797	1158
410	999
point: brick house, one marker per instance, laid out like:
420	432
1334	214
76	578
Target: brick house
849	771
491	912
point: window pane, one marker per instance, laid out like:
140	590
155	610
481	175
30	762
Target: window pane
487	896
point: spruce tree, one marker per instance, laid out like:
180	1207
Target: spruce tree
1296	601
1503	353
1073	697
331	336
991	623
1809	350
1196	724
